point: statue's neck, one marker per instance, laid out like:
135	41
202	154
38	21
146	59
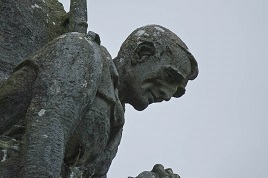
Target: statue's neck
122	87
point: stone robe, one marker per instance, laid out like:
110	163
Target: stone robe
70	118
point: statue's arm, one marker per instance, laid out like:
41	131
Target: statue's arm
68	78
104	160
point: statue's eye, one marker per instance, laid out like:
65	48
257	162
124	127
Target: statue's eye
167	51
145	50
172	76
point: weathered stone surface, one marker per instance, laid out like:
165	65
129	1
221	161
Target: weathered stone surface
62	108
66	98
26	26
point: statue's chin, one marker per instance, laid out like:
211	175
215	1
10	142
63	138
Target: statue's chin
140	107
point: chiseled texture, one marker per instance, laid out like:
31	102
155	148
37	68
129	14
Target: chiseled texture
60	111
25	27
64	92
78	16
67	82
63	74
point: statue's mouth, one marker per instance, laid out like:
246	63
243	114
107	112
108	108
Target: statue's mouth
154	98
151	99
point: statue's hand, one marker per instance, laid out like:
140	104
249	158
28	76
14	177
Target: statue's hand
158	172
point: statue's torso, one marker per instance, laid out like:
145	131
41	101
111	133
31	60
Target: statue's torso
93	134
95	131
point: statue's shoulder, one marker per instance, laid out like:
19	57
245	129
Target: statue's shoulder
66	51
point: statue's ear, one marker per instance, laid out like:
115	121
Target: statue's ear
143	51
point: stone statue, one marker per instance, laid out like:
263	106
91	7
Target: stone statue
62	107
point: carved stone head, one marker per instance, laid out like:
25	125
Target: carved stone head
155	64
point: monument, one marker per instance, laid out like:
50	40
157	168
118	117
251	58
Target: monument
62	96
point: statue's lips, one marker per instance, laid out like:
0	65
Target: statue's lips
154	99
151	98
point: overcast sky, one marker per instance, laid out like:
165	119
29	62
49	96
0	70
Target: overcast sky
219	128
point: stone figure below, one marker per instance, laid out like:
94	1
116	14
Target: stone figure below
62	108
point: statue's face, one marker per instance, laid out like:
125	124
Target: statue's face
158	77
155	64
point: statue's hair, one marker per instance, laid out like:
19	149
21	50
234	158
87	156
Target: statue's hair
151	36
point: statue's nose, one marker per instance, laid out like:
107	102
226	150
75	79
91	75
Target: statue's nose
180	91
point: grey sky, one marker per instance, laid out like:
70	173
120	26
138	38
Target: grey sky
219	128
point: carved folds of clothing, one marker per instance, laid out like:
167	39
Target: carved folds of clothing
93	142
